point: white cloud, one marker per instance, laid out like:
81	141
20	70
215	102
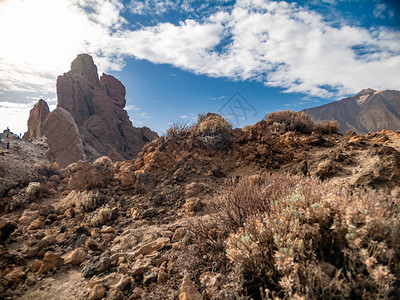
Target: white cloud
190	116
280	44
15	116
40	39
131	107
382	11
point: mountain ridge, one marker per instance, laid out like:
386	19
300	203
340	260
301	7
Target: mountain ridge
367	111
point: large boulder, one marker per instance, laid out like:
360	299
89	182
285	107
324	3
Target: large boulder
97	105
63	138
37	116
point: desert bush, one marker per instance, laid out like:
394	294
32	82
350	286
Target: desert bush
327	127
292	121
103	164
32	189
298	237
43	171
177	129
84	201
214	132
101	217
288	120
212	123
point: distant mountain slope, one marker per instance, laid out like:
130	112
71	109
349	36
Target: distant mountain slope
367	111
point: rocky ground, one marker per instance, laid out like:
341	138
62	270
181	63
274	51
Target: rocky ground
124	230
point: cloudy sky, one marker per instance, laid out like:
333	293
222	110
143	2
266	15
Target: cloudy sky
180	58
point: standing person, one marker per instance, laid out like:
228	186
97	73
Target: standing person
8	145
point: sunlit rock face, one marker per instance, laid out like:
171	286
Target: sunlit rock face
63	138
37	116
97	106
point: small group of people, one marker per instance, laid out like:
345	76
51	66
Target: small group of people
7	135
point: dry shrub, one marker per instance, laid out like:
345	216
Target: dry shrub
177	130
101	217
33	189
45	171
212	123
214	132
288	120
327	127
84	201
292	121
299	238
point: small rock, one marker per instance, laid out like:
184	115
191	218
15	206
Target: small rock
114	294
193	189
162	276
97	292
152	247
36	224
95	266
166	233
107	229
111	280
35	266
95	232
15	275
6	228
149	213
92	244
30	280
192	205
150	276
75	257
177	246
179	234
50	261
188	290
141	266
123	282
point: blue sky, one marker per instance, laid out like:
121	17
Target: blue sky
181	58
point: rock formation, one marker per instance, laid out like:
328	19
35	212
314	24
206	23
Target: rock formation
367	111
63	138
37	116
98	109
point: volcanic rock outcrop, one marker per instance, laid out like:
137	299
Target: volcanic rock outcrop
367	111
63	138
97	106
37	116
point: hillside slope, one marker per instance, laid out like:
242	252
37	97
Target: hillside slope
367	111
173	223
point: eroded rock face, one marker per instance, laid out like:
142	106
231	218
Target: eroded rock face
98	109
37	116
63	138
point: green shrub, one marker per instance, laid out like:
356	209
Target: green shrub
296	237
